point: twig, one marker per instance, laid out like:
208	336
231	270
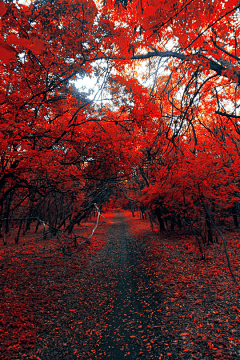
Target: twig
96	225
87	240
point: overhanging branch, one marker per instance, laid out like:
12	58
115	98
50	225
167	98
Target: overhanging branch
159	54
213	65
227	115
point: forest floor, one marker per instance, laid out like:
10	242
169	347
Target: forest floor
132	293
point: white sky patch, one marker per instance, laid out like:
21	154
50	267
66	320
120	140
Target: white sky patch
88	84
96	85
24	2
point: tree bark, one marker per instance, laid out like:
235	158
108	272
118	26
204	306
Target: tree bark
158	213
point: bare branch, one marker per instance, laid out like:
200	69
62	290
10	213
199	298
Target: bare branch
223	50
162	54
96	225
227	115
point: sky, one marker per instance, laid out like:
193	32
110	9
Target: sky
93	83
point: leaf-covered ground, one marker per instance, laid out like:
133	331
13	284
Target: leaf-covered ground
131	294
39	280
200	310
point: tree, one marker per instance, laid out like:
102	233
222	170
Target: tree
43	46
162	129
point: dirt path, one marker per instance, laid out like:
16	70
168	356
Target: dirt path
132	325
106	310
130	294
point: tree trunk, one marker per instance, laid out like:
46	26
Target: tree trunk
234	215
209	229
19	230
160	219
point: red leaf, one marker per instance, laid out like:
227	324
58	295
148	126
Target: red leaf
3	8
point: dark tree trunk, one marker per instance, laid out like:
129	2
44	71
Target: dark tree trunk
158	213
172	222
8	201
179	222
19	230
27	225
209	229
235	216
37	226
131	207
77	219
